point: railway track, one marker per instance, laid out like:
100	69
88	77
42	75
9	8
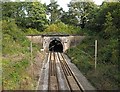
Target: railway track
53	81
69	75
57	75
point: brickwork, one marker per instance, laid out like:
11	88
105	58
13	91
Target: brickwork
66	40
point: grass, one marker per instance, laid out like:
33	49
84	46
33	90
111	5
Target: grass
106	76
16	58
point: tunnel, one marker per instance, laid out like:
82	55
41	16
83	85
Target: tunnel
55	46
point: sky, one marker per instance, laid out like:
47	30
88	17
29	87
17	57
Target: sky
63	3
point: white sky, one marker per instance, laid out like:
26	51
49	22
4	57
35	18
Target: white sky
63	3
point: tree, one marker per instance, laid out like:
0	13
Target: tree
100	19
26	14
54	11
34	15
109	27
79	12
9	9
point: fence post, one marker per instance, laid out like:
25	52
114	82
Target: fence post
31	51
95	54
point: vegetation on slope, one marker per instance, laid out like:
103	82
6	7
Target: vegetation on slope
60	27
106	76
16	57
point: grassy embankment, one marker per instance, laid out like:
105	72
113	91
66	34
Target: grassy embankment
16	57
106	76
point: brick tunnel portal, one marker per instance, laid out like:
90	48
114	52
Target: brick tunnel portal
56	43
56	46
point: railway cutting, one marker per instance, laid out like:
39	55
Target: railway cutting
60	76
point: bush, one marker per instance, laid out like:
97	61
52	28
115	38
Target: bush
106	76
31	31
16	57
60	27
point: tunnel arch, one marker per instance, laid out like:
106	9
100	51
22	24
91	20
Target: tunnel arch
56	46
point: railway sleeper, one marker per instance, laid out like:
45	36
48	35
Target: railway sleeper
53	83
73	83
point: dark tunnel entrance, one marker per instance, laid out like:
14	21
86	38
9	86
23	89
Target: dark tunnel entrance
56	46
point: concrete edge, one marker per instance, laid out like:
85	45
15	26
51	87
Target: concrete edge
81	78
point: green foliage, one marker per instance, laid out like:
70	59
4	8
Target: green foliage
52	28
16	57
60	27
54	11
31	31
104	27
26	14
100	18
109	51
110	28
106	75
12	36
9	9
79	13
13	73
82	56
36	17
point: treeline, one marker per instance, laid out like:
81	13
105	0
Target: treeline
16	55
84	15
102	25
26	14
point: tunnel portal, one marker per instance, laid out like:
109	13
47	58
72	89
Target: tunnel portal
55	46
